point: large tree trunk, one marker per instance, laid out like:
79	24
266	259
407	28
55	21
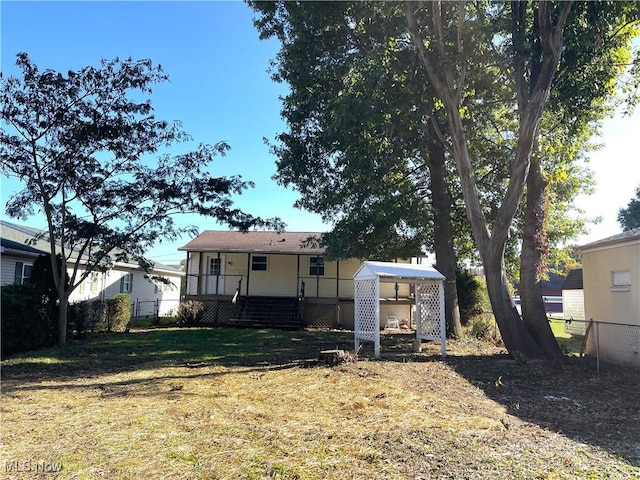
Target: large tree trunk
532	99
534	248
446	259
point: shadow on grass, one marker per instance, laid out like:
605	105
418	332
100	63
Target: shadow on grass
568	398
158	348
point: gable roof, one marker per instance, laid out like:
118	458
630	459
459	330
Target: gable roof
255	242
573	280
393	272
630	236
19	238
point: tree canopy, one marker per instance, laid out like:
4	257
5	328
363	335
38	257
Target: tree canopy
83	143
629	217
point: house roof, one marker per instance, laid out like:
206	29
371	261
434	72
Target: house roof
573	280
255	242
393	272
630	236
20	238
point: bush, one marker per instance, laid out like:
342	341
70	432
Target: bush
26	323
190	312
470	297
119	313
88	315
483	327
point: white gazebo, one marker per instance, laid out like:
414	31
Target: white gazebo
429	295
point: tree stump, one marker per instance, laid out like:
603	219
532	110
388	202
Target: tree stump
336	357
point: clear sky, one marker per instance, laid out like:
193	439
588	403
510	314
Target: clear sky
220	89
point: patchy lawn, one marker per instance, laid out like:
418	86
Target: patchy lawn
228	404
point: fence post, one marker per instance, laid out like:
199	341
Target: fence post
597	347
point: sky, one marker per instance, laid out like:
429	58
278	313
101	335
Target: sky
221	90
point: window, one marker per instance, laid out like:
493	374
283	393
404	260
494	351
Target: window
126	283
90	283
621	280
214	266
316	266
259	262
22	273
162	287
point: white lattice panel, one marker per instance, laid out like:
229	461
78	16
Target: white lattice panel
366	310
429	322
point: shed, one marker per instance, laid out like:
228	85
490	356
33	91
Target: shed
573	303
429	297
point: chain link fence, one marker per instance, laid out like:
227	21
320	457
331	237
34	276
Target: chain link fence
606	342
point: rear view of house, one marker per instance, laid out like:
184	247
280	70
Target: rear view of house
276	279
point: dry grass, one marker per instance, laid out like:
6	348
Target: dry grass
227	404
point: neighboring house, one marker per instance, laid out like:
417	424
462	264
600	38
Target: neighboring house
611	279
279	279
551	291
19	250
573	303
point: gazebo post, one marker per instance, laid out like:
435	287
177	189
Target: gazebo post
443	327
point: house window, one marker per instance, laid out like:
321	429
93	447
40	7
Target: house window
316	266
22	273
259	262
214	266
126	283
162	287
621	280
90	283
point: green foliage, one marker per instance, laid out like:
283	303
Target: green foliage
629	217
470	295
87	316
26	323
119	315
190	312
79	142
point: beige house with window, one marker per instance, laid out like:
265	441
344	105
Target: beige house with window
611	281
281	279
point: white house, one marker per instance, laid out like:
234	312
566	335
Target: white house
19	250
611	280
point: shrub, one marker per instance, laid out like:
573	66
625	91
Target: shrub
190	312
89	315
119	313
26	323
470	299
483	327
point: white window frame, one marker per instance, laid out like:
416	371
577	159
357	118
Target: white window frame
317	263
255	264
621	280
24	277
126	283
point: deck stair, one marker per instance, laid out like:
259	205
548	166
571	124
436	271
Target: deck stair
266	312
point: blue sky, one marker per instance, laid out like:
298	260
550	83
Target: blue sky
220	90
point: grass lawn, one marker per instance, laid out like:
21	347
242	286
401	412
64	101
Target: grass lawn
255	404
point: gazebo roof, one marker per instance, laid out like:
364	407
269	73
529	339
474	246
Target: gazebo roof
397	272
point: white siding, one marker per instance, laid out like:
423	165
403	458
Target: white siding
573	309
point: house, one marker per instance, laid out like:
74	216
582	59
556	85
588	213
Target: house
551	292
611	280
279	279
20	246
573	303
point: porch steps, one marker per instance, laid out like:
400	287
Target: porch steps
266	312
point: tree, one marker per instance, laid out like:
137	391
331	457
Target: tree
629	217
81	145
524	44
